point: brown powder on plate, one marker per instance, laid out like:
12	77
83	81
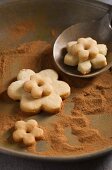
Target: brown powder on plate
25	56
69	132
22	29
95	98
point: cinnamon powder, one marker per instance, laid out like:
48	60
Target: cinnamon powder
25	56
21	29
89	97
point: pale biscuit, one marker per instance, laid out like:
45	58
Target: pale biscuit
75	49
84	67
38	86
83	55
93	51
87	47
102	49
87	42
39	91
69	45
99	61
83	51
27	132
71	60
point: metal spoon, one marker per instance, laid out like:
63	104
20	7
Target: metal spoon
100	30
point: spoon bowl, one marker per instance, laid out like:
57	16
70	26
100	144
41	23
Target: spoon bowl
100	30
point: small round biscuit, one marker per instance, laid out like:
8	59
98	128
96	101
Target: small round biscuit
75	49
102	49
18	135
20	125
71	60
38	133
29	139
93	51
31	124
69	45
83	55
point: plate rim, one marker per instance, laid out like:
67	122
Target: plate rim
79	157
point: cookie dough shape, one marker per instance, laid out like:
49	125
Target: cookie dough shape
39	91
27	132
86	54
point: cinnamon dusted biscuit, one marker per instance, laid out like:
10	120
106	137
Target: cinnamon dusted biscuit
39	91
27	132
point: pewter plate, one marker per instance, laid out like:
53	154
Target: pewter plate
48	15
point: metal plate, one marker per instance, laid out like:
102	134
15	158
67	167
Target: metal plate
47	15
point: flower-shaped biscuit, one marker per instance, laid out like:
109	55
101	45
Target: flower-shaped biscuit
39	91
85	48
27	132
86	54
38	86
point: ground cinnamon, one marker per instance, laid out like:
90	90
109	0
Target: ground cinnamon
27	55
69	132
21	29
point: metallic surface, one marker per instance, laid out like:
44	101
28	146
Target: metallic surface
47	15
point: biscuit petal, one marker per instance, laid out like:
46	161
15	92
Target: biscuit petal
20	124
70	44
99	61
52	103
37	132
28	139
49	73
61	88
15	90
102	49
18	135
25	74
28	104
84	67
71	60
31	124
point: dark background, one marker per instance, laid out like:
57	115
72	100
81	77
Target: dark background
8	162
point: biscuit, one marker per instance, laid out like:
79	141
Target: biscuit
39	91
27	132
84	67
99	61
102	49
85	51
83	55
75	49
70	60
87	47
69	45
